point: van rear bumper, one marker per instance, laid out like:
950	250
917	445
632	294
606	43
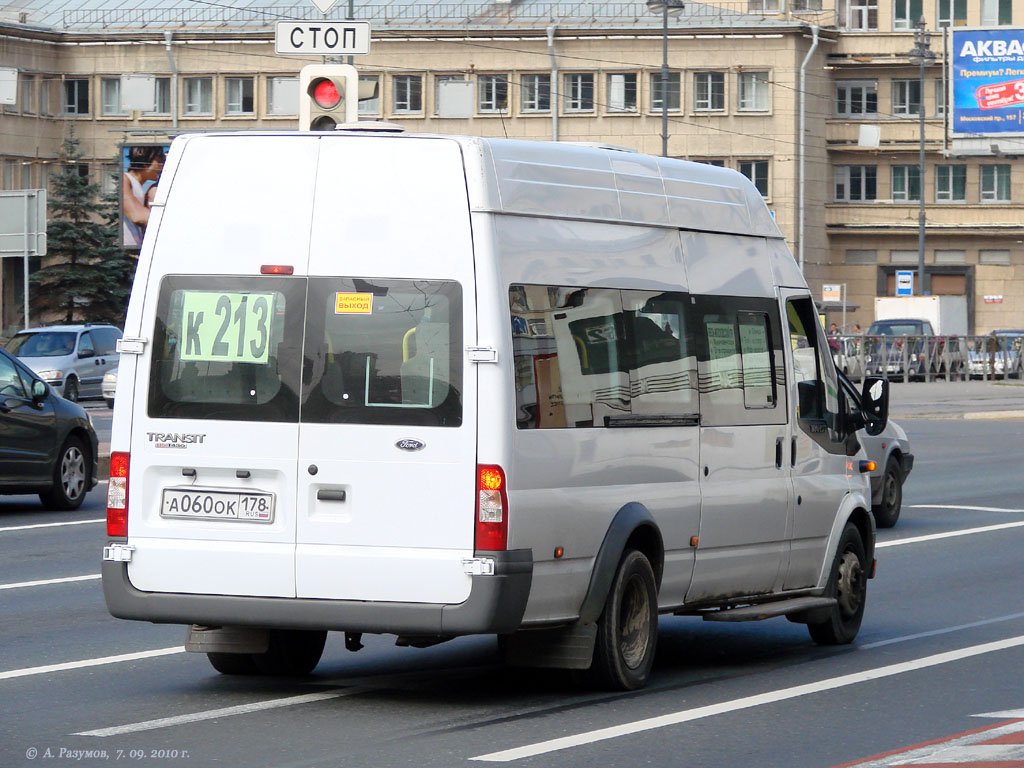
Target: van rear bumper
495	605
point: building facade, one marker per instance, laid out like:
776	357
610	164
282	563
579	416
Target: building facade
780	90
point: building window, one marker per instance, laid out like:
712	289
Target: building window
903	257
674	91
26	175
858	15
855	183
718	163
622	92
940	98
110	93
198	96
951	183
996	13
995	183
492	93
764	6
76	97
536	93
906	182
110	179
754	92
757	172
950	257
283	96
708	91
579	93
44	96
27	84
952	13
161	97
996	257
905	13
856	97
442	96
906	97
238	96
861	256
370	106
408	94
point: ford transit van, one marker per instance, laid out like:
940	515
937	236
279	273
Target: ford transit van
433	386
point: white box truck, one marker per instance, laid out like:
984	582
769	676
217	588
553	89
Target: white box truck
434	386
947	314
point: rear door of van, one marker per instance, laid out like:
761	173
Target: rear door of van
387	442
215	409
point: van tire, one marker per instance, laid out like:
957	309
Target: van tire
71	389
292	652
887	511
233	663
71	476
627	630
847	583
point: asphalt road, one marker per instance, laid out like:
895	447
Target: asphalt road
942	643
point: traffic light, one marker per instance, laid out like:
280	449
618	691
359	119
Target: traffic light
328	97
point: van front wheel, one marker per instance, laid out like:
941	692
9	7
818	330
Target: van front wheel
627	631
848	585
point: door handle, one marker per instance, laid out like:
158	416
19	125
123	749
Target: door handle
778	452
792	454
327	494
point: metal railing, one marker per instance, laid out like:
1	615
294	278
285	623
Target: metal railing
928	358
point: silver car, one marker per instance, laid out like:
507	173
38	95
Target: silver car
890	450
70	358
109	387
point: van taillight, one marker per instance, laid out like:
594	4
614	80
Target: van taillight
491	509
117	495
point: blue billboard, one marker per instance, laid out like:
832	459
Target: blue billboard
988	81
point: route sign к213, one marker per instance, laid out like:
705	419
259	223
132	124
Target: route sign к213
988	81
322	38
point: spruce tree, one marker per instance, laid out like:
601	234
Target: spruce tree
89	275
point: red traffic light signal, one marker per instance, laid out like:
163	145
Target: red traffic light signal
325	93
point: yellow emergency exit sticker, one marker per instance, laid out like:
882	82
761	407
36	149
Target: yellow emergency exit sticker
353	303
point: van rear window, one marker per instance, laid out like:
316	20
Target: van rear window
225	348
383	352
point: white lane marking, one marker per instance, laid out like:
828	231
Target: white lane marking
66	580
771	697
943	631
1008	714
968	509
29	671
51	525
948	535
211	714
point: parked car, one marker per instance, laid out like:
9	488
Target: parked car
895	344
110	387
890	450
47	444
70	358
997	354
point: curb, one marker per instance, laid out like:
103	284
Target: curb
971	415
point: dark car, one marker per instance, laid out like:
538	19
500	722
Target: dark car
908	346
47	444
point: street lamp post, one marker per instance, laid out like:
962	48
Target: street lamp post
921	54
664	7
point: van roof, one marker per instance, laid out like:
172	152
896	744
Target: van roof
566	180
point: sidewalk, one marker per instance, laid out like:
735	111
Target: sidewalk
957	400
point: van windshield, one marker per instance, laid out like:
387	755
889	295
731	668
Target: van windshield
42	344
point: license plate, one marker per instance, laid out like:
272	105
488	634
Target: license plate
243	506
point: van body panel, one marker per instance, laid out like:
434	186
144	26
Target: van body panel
727	265
784	267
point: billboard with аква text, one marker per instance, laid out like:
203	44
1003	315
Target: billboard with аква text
988	81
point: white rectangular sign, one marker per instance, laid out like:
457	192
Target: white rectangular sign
322	38
23	222
832	293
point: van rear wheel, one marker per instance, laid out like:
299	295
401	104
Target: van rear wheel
233	663
848	585
627	631
291	652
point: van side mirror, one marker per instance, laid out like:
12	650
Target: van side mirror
86	353
874	402
38	391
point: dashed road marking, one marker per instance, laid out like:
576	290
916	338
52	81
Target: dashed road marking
51	525
948	535
44	670
968	509
770	697
44	582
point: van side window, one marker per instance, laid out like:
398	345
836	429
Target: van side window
383	352
85	342
227	348
741	364
586	355
814	373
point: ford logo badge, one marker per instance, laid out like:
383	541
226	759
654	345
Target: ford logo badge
410	444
